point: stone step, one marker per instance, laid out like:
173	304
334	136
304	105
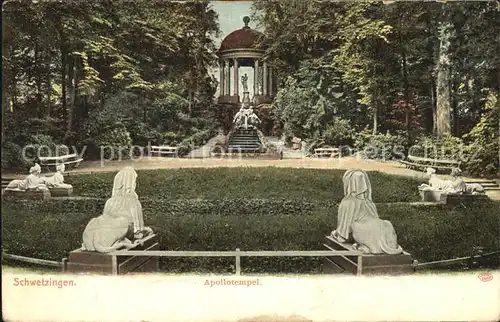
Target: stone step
245	145
243	142
244	137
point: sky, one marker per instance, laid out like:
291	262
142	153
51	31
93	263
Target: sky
231	15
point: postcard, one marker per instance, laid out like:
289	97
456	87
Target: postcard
250	161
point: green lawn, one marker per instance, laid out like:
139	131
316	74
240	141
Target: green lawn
234	183
227	216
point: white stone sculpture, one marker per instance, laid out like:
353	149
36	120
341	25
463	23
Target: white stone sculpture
124	201
456	186
244	82
237	120
437	184
57	180
121	220
252	117
358	219
32	182
105	234
462	187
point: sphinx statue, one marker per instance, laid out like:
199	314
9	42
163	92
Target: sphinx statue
121	224
358	220
438	184
125	202
57	180
105	234
33	181
462	187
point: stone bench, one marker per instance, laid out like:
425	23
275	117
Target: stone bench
69	160
80	261
423	163
382	264
161	150
326	152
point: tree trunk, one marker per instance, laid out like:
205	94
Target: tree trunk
48	83
72	82
375	119
455	121
64	63
38	80
433	107
6	80
443	108
404	67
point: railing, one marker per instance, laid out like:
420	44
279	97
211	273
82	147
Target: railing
42	262
238	254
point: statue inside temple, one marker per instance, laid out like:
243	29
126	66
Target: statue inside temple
244	82
32	182
122	216
57	180
358	219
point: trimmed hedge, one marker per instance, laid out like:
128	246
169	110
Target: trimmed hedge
246	182
51	229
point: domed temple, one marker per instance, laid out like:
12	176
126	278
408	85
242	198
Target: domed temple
242	48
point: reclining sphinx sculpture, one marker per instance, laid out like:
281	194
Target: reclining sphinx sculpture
358	220
32	182
121	225
456	186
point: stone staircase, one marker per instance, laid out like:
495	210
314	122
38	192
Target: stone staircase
488	185
245	141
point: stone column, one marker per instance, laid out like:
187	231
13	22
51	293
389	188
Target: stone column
222	83
271	81
227	89
236	78
256	78
265	90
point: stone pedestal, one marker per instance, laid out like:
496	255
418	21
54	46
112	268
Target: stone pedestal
456	198
29	194
246	98
431	195
370	264
80	261
61	192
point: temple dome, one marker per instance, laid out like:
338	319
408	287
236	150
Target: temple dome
244	38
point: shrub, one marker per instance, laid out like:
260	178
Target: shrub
449	147
381	146
12	156
115	143
44	229
339	132
38	146
195	140
484	139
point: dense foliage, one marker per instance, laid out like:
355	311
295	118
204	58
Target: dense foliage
416	69
101	73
